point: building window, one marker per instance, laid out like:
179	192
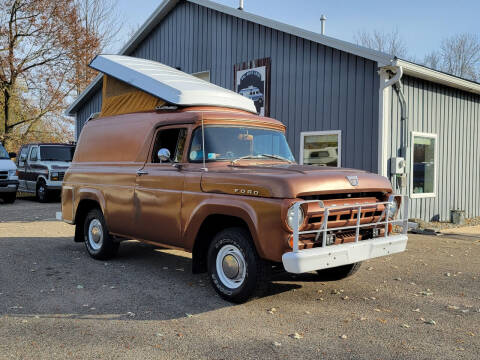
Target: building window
321	148
204	75
424	159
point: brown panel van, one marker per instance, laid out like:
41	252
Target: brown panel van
223	185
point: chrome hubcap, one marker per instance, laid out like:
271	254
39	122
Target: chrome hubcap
95	234
231	266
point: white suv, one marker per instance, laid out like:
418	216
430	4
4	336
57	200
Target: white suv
8	176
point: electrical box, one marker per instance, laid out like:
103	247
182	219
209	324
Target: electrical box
398	165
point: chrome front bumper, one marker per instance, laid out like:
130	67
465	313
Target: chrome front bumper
344	254
328	256
8	186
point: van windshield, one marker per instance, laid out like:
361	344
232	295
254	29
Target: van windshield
57	153
3	153
234	142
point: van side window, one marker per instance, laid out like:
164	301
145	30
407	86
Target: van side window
23	156
171	139
33	154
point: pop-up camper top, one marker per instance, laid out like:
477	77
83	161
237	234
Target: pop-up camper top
133	85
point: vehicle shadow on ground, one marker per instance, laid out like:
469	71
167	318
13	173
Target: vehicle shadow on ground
56	278
33	198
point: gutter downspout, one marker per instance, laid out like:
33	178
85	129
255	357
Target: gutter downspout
395	81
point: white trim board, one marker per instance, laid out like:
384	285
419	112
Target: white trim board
438	77
326	132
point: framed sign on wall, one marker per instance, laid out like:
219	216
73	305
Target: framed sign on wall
252	80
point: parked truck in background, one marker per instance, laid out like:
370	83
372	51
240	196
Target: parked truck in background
41	168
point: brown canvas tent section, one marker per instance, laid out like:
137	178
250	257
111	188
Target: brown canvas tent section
120	98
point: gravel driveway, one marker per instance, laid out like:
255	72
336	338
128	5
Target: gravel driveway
57	302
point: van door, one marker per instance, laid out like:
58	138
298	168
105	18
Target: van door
21	168
158	190
32	169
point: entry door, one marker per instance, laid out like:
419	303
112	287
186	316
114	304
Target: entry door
158	190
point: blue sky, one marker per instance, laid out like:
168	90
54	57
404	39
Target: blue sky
422	24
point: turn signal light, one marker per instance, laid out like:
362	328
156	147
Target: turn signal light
390	228
290	242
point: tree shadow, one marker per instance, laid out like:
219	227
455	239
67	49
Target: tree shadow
55	277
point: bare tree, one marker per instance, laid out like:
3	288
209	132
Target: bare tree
433	60
459	55
387	42
99	20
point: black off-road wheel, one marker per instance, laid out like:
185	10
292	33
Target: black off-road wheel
42	193
9	198
236	271
98	241
338	273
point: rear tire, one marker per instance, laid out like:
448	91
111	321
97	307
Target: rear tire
236	271
339	272
9	198
42	192
98	241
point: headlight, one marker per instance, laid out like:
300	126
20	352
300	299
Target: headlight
291	216
393	209
54	176
12	173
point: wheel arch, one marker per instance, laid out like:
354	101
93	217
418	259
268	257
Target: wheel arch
210	219
87	200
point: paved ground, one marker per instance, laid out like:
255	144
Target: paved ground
57	302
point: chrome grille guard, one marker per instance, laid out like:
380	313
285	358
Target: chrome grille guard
401	218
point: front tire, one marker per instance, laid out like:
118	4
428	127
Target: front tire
42	192
98	241
9	198
236	271
339	272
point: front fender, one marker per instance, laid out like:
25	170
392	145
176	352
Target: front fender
262	216
219	207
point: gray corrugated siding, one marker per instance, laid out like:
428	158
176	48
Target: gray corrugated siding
454	116
92	105
313	87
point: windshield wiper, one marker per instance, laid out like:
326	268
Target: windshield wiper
244	157
278	157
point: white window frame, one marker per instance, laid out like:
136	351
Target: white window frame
206	72
327	132
435	160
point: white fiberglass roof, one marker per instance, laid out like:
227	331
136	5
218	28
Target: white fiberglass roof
169	84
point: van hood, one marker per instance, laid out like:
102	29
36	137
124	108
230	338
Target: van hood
7	164
290	180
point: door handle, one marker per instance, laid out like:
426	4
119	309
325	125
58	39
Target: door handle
141	172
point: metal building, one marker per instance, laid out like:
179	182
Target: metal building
343	104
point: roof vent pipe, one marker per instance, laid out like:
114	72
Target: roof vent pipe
240	6
323	19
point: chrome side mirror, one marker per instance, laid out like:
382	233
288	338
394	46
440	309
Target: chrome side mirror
164	155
